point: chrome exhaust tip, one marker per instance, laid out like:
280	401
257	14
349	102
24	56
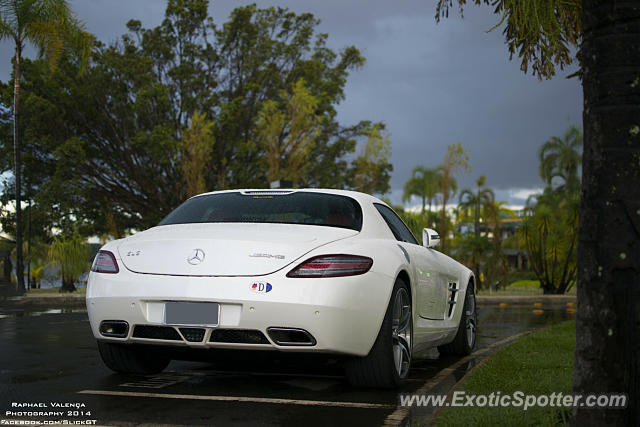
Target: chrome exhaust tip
291	336
114	328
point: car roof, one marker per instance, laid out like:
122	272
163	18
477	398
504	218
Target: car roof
360	197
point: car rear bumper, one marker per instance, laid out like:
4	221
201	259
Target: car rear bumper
340	315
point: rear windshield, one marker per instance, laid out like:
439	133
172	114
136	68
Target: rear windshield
269	207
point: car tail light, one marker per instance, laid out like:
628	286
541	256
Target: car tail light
105	262
332	266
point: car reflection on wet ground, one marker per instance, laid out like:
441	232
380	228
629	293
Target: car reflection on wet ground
50	356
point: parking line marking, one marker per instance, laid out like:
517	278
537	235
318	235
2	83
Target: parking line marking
157	381
240	399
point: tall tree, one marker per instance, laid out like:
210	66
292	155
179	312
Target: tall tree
50	26
261	53
608	317
71	255
478	204
288	133
197	143
456	159
561	158
549	233
112	139
423	184
607	332
496	264
372	166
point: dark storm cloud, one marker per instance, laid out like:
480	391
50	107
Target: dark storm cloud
432	84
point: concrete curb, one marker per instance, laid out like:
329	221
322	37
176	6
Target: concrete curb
462	381
402	415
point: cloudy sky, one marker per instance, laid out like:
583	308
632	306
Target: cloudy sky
432	84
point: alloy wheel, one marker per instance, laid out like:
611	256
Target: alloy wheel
401	332
470	309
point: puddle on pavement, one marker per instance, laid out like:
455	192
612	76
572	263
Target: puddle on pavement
496	323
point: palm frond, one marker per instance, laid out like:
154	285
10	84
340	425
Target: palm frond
6	29
49	25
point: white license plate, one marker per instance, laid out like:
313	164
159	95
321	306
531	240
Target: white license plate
191	313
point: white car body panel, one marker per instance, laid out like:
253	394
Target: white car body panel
343	314
231	249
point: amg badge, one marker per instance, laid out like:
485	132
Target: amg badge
266	256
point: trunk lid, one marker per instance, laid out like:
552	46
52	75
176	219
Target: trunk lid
223	249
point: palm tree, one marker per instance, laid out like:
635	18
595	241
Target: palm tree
50	26
495	213
424	184
455	159
71	255
561	157
479	204
549	233
607	333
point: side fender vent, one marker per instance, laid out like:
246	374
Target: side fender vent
453	291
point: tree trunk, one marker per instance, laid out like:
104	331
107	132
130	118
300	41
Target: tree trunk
68	285
30	284
6	266
478	277
443	232
608	315
18	171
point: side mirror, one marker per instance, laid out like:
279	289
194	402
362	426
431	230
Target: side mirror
430	238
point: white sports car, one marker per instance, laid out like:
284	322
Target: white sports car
310	270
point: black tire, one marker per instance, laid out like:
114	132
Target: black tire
378	368
461	344
127	359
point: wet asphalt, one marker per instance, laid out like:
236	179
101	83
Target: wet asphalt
50	356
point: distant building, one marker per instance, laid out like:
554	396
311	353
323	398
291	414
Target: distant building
516	257
509	226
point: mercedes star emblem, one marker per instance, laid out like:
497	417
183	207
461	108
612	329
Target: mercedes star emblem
195	257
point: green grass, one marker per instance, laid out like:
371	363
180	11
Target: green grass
526	284
520	287
541	363
53	291
509	291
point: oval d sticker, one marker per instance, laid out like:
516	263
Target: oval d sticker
261	287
